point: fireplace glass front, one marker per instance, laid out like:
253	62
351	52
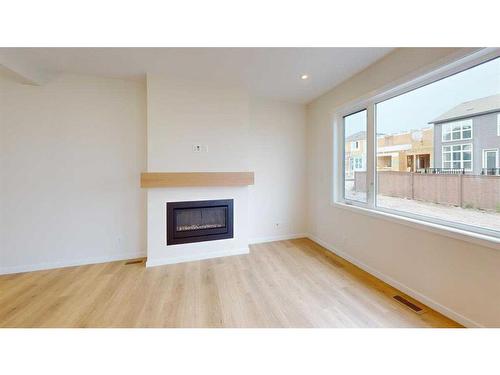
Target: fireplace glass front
196	221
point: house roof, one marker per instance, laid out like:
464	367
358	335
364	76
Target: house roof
471	108
357	136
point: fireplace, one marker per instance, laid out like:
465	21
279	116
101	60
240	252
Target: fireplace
197	221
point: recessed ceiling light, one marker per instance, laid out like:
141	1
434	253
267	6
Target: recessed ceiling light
304	76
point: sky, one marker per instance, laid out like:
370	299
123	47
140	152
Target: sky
413	110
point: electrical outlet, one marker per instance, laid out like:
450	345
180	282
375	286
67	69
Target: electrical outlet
197	148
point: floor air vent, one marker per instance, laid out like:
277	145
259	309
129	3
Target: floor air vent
136	261
408	304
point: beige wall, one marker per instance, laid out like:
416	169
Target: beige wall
458	278
71	154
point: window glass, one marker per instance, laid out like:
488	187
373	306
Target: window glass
355	186
435	137
457	130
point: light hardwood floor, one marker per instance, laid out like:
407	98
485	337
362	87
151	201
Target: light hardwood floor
292	283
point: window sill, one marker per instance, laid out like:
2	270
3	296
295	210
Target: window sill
455	233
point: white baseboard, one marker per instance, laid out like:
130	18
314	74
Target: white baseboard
191	258
281	237
398	285
69	263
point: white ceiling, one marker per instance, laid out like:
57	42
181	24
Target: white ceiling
267	72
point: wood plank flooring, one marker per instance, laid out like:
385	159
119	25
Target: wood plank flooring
292	283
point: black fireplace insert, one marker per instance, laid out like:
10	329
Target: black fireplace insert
197	221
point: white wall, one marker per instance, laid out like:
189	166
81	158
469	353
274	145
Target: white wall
456	277
71	155
278	157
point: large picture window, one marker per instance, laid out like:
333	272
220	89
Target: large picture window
428	150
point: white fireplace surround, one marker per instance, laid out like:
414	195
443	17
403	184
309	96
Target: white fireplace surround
159	253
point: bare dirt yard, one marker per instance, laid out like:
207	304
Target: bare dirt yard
469	216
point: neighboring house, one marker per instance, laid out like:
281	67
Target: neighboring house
406	151
468	137
403	152
355	153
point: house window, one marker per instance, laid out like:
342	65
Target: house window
457	130
384	161
430	127
457	157
358	163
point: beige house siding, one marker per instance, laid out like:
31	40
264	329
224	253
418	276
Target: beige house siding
403	145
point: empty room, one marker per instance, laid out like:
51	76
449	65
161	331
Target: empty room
256	187
205	194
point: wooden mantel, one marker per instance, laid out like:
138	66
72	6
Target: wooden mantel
165	179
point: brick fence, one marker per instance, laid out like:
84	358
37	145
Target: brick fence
460	190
